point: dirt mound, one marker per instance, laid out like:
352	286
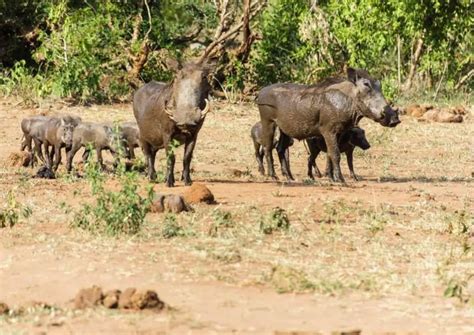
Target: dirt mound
198	193
88	297
4	308
18	159
170	203
131	298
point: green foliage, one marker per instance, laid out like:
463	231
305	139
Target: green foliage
113	212
276	220
221	220
280	55
457	288
87	50
171	228
13	211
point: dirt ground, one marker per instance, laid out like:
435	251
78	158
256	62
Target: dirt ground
374	256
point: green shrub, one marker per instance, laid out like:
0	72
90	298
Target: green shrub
13	211
171	228
276	220
113	212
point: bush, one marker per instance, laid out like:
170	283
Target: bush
276	220
114	213
13	211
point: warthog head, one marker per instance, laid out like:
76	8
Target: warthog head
190	90
358	138
66	130
369	93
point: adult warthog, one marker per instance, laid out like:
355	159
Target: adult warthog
327	109
172	114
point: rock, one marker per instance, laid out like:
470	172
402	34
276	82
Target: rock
19	159
146	300
88	297
198	193
111	298
125	299
4	308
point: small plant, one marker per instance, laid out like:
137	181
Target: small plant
222	219
114	213
285	279
170	227
456	288
374	221
459	223
13	211
276	220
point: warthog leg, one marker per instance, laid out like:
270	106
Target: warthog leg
259	153
70	155
150	154
170	160
188	155
268	134
313	154
57	158
284	156
349	156
334	155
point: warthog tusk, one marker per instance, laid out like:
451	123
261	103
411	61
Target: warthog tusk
206	109
170	113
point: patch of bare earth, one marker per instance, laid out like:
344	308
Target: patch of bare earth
375	256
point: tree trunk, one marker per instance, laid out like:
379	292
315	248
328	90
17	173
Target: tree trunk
413	65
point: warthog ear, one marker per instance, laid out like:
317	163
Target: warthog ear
352	74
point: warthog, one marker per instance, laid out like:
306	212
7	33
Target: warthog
172	114
44	131
58	135
327	109
130	136
97	136
352	138
26	126
256	135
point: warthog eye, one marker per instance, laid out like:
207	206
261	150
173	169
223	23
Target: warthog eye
367	85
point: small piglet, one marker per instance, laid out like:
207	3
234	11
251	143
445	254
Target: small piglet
352	138
256	135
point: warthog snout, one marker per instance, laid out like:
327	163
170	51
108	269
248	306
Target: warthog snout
390	117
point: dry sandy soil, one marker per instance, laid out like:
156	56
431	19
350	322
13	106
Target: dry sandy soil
375	255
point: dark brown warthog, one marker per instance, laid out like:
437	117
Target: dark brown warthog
172	114
95	135
256	135
347	142
326	109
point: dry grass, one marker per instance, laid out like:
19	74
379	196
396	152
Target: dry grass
407	229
